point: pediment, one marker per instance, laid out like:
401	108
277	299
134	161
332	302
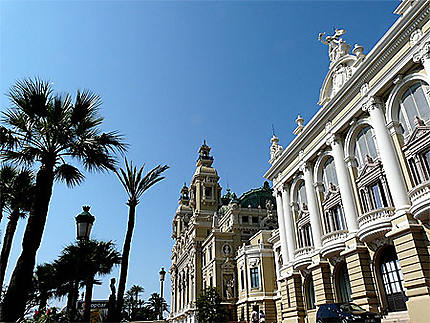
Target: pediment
418	132
336	77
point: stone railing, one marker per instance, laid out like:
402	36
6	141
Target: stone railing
420	199
334	236
302	251
375	216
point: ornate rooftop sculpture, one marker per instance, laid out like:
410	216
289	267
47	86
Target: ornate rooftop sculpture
342	63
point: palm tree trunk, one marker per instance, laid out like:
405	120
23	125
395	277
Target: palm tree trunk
88	297
124	260
7	243
21	282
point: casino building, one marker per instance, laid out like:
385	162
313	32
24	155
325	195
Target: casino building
353	187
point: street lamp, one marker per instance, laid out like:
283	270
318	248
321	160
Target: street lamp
162	276
84	223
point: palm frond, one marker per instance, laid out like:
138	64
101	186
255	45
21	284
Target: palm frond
31	96
133	182
69	174
86	106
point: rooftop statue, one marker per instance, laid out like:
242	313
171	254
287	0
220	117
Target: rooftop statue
337	47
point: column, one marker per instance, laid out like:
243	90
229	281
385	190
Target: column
281	223
388	155
312	205
321	277
289	226
292	299
423	57
345	185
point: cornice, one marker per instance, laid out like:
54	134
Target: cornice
387	47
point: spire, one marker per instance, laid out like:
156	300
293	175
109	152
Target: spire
204	158
275	149
185	197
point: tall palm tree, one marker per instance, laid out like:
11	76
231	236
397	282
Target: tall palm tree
135	184
45	284
50	131
18	202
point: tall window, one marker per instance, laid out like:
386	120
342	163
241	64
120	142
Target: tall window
242	279
329	174
344	286
334	219
365	146
414	102
301	196
392	279
310	294
254	278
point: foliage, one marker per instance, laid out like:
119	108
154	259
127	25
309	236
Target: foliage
157	304
136	309
135	184
50	131
208	306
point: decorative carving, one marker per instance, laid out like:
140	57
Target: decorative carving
422	54
229	286
342	74
300	125
416	36
226	249
371	103
254	262
275	149
337	47
364	89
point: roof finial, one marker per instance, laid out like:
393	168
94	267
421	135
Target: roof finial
273	130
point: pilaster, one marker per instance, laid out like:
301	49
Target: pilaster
360	275
322	283
293	309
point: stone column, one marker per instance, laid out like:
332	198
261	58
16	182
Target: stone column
423	57
360	275
289	224
388	154
281	222
312	205
345	185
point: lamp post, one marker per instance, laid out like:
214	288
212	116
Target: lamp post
162	276
84	223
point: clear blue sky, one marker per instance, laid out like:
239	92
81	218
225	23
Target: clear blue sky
171	74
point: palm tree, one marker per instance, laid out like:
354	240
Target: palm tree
45	284
135	185
157	304
18	202
52	131
132	303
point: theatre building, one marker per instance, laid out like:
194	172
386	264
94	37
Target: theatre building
353	187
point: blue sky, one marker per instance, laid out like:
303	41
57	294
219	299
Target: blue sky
172	73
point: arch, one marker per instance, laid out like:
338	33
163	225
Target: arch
294	187
392	105
390	279
319	164
352	134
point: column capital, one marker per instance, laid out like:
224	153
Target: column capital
422	54
333	139
371	103
306	167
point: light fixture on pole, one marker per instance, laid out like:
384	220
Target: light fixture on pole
84	223
162	276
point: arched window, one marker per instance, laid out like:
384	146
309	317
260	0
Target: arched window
343	284
329	174
309	294
392	280
414	103
302	200
365	146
